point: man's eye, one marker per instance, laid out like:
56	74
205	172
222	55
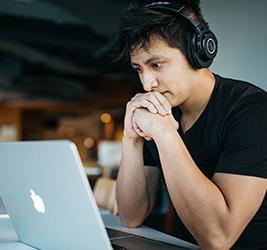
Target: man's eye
137	69
156	65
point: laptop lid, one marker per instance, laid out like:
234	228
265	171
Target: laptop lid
48	197
2	207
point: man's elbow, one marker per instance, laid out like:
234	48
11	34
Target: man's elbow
216	243
131	223
133	218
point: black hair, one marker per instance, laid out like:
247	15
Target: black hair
138	25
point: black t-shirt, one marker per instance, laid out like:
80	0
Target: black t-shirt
230	136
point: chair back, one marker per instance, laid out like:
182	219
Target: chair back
104	193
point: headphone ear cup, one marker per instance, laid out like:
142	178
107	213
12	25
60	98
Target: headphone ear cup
204	49
192	51
209	45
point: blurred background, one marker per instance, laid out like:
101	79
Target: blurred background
57	79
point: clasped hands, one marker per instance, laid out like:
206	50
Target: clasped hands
148	114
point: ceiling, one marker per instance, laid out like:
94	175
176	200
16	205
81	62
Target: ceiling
56	49
100	15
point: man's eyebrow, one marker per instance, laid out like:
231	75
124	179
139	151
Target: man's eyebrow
148	61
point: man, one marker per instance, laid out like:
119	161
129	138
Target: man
204	133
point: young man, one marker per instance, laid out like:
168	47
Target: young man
204	133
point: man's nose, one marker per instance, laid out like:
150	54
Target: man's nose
149	81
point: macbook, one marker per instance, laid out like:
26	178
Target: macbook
50	203
46	193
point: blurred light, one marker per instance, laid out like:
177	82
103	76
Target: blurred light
61	130
89	142
70	131
106	118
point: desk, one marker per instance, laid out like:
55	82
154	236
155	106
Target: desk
9	240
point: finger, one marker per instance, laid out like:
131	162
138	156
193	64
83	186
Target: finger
160	108
137	129
128	125
147	138
129	130
142	134
159	101
163	101
130	108
145	104
139	132
150	97
137	97
174	123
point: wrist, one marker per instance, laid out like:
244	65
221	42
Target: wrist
160	132
132	140
132	145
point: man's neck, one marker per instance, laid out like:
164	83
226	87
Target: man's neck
200	94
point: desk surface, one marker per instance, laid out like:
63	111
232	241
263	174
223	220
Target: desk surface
9	240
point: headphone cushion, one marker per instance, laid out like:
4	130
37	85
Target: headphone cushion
202	49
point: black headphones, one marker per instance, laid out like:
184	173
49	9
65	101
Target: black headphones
203	44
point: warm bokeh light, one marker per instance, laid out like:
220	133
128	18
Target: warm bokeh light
106	118
61	130
89	142
70	131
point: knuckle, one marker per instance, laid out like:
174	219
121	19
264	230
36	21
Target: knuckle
156	93
166	103
129	104
135	96
145	103
152	98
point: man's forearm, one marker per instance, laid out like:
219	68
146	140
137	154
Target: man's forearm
198	201
131	188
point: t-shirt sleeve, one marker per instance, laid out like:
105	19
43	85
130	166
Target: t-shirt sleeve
150	154
245	139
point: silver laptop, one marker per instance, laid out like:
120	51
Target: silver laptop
48	198
51	205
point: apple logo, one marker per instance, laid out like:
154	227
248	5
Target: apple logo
37	202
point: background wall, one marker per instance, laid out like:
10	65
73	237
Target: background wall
241	28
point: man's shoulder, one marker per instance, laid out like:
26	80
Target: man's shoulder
238	91
236	100
239	86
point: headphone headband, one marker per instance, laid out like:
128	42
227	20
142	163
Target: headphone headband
177	8
203	48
